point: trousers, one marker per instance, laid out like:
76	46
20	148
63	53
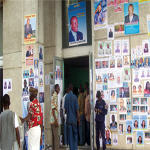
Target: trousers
100	129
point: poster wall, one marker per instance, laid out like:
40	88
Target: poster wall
77	24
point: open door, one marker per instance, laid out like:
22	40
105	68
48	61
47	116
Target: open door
58	69
91	99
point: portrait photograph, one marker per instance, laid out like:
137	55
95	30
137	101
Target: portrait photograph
100	48
129	126
122	106
131	18
129	140
119	62
125	47
113	107
117	47
113	121
77	24
147	88
122	117
112	63
145	47
119	28
100	15
136	122
108	48
136	109
110	32
112	95
108	137
143	122
120	129
139	137
30	29
126	60
29	55
147	136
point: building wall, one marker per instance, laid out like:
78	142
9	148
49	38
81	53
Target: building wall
134	40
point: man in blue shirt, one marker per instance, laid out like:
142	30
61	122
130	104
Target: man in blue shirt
72	111
101	111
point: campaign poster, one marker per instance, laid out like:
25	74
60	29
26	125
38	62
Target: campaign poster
129	140
147	88
77	24
147	136
122	106
119	28
41	52
120	129
110	32
25	85
146	47
100	48
143	122
113	121
125	47
29	55
129	127
148	24
100	15
108	136
136	122
117	47
115	139
139	138
30	29
108	48
131	18
7	85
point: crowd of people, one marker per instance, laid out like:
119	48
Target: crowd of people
76	111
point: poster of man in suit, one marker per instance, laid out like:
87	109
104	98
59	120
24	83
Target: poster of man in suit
77	24
131	18
29	29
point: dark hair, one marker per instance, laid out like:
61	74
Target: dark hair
134	123
131	5
6	100
98	94
128	129
142	124
147	85
70	87
139	140
56	86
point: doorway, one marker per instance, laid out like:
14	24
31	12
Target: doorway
76	71
1	88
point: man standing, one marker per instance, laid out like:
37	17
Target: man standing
74	34
72	111
101	111
54	118
131	17
9	131
35	121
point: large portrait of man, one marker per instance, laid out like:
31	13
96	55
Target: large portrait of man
131	17
74	34
77	24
